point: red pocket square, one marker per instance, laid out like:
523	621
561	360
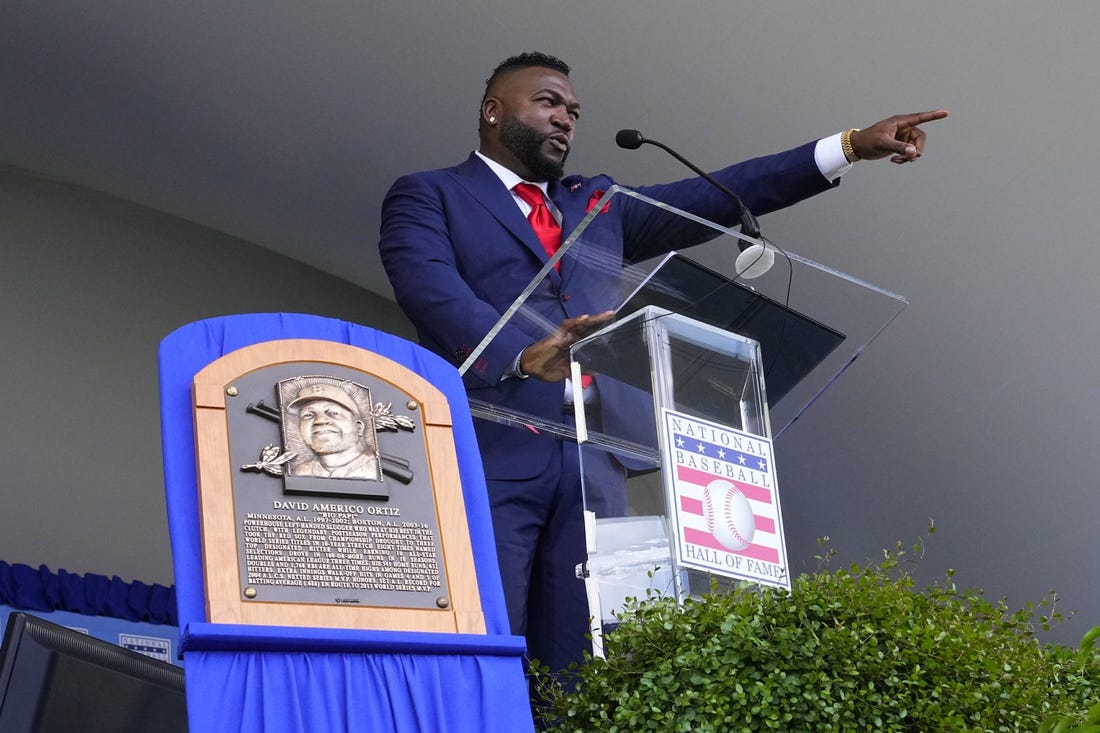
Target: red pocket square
595	199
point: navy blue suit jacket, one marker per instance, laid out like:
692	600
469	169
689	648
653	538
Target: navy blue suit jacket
458	251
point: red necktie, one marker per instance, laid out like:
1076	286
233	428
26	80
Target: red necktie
542	221
546	229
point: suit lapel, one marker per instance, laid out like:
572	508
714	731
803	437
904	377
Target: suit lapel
571	205
481	183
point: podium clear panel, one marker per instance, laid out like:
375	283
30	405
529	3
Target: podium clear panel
810	320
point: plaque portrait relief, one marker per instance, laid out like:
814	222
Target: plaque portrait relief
329	429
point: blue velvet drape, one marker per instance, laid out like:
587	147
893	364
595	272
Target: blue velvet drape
30	589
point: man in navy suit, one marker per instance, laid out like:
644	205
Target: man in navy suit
458	247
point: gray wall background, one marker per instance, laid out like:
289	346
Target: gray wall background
89	286
282	124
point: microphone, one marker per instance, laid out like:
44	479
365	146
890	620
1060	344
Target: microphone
755	260
632	140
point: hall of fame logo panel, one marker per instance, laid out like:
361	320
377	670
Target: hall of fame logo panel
725	498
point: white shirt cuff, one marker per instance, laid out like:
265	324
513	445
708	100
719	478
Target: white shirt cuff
514	371
830	159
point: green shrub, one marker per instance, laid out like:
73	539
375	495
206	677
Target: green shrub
1081	722
846	650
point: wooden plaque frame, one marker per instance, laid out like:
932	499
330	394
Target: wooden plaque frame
212	390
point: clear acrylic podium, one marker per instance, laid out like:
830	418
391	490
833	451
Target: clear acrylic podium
700	371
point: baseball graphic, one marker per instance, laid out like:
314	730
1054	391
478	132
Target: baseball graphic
728	514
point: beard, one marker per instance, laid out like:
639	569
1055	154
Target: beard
526	144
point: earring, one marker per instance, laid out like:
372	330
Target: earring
492	119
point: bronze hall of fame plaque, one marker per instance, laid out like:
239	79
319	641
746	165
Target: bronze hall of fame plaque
335	499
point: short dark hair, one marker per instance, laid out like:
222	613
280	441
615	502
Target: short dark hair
526	61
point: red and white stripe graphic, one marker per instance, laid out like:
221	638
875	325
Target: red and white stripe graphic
766	545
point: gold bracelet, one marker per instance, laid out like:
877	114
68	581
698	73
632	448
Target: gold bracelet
850	153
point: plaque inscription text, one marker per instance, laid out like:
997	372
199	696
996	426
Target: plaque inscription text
327	549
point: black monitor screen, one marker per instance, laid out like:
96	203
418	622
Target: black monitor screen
792	344
57	680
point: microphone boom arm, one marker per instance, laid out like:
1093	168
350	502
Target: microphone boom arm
632	139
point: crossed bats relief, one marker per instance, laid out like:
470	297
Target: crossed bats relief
273	458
